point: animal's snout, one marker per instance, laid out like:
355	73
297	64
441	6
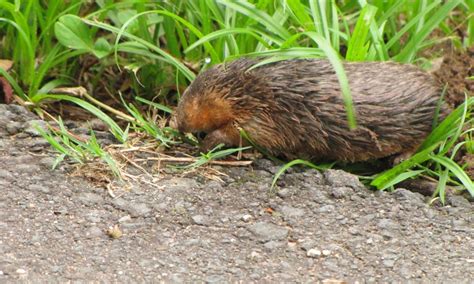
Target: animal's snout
178	122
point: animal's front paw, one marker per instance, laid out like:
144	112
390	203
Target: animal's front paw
210	142
228	136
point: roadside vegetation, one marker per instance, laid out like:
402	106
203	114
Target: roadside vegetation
142	56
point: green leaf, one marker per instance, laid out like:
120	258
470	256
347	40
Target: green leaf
102	48
73	33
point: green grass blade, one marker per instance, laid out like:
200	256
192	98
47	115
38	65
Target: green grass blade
386	177
13	83
336	62
457	171
115	128
357	47
409	51
401	177
155	105
470	23
191	27
449	125
169	58
285	167
226	32
301	15
253	13
441	186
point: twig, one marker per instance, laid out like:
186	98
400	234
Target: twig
135	164
82	92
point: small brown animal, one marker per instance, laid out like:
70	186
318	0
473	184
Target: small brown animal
294	108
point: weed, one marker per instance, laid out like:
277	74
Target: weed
68	145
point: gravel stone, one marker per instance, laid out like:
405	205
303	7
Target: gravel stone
4	174
94	232
272	245
28	168
30	127
13	127
291	212
339	178
285	192
200	220
47	162
268	232
246	218
341	192
21	271
314	253
89	198
406	195
138	209
458	201
387	224
40	188
327	208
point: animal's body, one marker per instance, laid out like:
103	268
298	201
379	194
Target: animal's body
294	108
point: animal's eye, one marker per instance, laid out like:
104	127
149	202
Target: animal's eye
200	135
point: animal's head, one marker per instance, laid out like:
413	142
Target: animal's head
203	106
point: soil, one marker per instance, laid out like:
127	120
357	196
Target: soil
456	71
175	228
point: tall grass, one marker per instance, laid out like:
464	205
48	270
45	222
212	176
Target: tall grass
221	29
27	32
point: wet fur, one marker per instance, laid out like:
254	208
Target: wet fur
294	108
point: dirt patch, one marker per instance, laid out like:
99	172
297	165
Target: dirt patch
456	69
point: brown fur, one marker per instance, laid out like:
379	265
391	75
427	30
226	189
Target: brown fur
294	108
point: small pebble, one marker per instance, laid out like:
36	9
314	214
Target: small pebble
20	271
313	253
292	212
246	218
326	252
284	192
341	192
124	219
200	220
